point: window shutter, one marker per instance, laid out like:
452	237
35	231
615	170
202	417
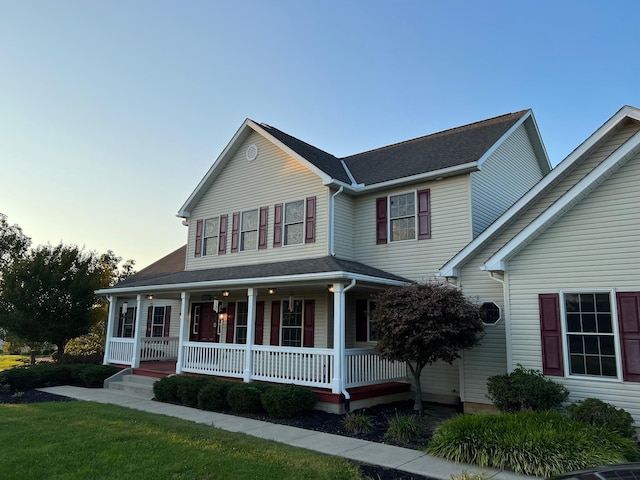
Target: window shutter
629	323
310	222
235	228
309	321
222	236
275	322
551	333
361	321
262	230
259	330
277	225
381	220
198	238
231	310
424	214
120	323
167	320
149	320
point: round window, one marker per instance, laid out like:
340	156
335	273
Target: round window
490	313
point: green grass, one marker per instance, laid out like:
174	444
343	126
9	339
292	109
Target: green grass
10	361
80	440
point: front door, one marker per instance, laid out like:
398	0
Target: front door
204	323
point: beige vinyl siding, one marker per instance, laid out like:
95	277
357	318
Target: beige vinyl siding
417	260
593	246
273	177
440	382
509	172
344	216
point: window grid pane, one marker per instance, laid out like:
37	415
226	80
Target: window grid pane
294	223
249	230
242	311
402	216
292	324
210	244
157	324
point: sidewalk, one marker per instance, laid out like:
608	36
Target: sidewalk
407	460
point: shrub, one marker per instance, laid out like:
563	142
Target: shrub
358	423
213	395
68	358
95	375
288	401
596	412
530	443
166	389
404	428
525	389
36	376
188	389
245	398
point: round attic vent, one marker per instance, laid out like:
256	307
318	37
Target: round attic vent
252	152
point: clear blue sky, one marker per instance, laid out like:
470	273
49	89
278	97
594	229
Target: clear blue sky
111	112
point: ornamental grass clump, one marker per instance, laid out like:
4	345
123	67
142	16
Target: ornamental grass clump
530	443
357	423
404	428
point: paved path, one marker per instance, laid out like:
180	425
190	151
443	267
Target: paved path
405	459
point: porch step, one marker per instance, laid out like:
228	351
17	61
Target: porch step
137	385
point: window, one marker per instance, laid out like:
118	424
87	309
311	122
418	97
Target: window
242	310
210	245
490	313
291	323
402	217
294	223
249	230
195	323
128	329
157	323
590	334
372	334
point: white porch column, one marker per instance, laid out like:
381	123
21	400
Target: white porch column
252	293
137	339
110	322
184	329
338	337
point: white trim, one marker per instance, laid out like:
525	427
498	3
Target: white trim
415	216
450	269
498	260
257	230
303	222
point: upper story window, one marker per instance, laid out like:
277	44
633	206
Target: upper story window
249	230
405	216
294	223
211	231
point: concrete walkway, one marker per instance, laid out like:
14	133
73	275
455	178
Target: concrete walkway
405	459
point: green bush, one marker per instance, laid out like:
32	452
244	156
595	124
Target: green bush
358	423
95	375
288	401
245	398
213	395
530	443
404	428
525	389
166	389
596	412
36	376
188	389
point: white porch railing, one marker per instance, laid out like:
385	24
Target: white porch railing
159	348
121	350
364	367
226	359
303	366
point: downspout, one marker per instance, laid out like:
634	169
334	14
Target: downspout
332	221
507	318
343	388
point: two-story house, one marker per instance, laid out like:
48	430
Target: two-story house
287	243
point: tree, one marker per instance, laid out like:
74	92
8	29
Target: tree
13	242
48	295
422	323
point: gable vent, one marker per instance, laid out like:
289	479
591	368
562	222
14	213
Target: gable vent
252	152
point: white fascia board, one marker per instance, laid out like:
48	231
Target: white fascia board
450	269
241	133
498	261
249	282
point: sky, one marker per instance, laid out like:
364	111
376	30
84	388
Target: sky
111	112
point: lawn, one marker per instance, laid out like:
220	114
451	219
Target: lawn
80	440
10	361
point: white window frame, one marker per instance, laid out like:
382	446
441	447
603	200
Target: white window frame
614	327
155	324
500	309
285	223
415	217
206	239
289	327
243	232
195	321
237	324
371	305
131	323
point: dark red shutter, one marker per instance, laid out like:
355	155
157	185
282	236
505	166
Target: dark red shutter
381	220
629	322
310	221
275	322
120	323
361	321
149	320
424	214
551	334
309	321
199	238
167	320
235	232
262	229
259	330
277	225
231	311
222	236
